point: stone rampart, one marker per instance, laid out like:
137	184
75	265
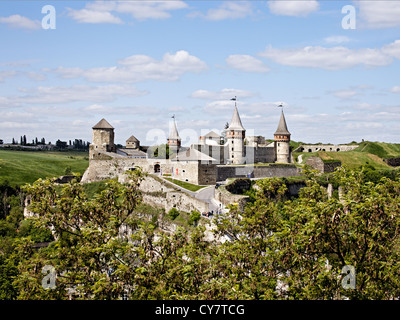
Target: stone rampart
394	162
248	171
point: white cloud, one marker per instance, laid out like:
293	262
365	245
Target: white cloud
298	8
392	49
334	58
246	63
395	89
7	74
379	14
49	95
141	10
336	39
140	68
19	22
102	109
105	11
227	10
93	16
345	94
224	94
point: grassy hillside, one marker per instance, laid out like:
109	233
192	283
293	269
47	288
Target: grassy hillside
368	152
19	167
381	149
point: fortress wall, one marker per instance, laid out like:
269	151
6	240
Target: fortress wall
324	167
111	168
260	154
226	198
184	202
325	147
394	162
207	174
161	194
224	172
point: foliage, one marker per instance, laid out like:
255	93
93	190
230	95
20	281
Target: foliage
276	248
173	213
194	217
37	234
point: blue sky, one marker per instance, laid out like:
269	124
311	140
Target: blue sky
136	63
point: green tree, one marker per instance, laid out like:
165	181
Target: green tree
92	255
194	217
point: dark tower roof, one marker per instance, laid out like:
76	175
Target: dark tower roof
282	127
132	139
174	135
103	124
236	123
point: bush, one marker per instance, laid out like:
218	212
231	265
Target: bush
194	217
173	213
37	234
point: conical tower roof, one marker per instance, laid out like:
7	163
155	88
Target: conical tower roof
173	134
132	139
103	124
282	127
236	123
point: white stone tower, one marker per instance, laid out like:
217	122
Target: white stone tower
235	135
103	139
282	141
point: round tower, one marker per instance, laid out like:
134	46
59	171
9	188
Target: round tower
282	141
235	135
103	139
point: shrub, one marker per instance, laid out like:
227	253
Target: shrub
194	217
173	213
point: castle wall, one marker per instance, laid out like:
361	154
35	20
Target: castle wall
394	162
324	167
224	172
325	147
112	167
215	151
185	171
260	154
184	202
207	174
162	194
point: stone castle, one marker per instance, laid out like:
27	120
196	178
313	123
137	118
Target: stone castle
214	158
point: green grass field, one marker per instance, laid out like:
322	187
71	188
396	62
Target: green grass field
186	185
368	152
20	167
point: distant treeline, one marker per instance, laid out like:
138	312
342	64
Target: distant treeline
78	144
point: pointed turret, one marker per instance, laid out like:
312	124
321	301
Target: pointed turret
174	140
236	123
282	127
282	141
235	135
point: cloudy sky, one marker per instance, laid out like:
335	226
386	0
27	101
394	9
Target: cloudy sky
137	63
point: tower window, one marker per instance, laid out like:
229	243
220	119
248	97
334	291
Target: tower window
232	156
232	149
